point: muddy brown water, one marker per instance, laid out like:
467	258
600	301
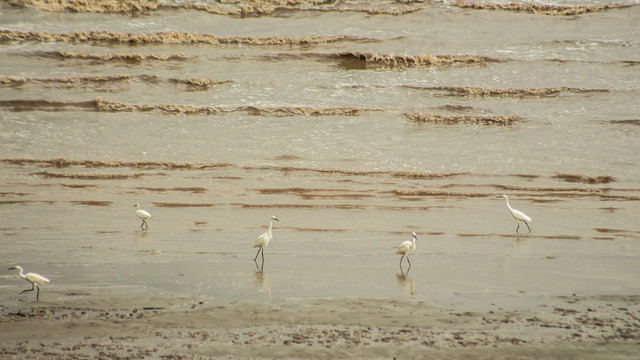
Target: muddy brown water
355	123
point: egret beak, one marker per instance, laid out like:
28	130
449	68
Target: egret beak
276	219
11	268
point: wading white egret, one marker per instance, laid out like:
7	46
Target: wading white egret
263	240
142	214
405	248
33	278
517	214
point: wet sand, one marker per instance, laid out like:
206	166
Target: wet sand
604	327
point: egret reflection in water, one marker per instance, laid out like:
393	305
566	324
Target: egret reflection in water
407	283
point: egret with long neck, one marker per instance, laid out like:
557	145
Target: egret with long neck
517	214
405	248
143	215
33	278
263	240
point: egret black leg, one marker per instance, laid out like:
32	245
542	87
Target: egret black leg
527	226
402	257
409	263
32	287
259	268
262	256
255	258
38	294
518	226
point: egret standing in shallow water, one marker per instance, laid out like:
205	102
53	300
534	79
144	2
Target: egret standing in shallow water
405	248
33	278
263	240
142	214
517	214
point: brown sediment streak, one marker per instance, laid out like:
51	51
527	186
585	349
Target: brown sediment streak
302	206
456	108
289	191
12	193
626	122
200	84
312	229
182	205
93	203
103	105
195	190
13	202
400	60
542	9
548	189
605	230
526	176
306	111
539	192
435	193
17	81
509	92
397	174
79	186
336	206
109	106
463	119
604	179
625	63
49	174
63	163
116	56
166	38
247	8
46	105
315	193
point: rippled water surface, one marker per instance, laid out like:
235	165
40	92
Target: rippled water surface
355	123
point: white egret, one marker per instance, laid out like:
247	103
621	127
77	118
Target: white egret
33	278
142	214
517	214
263	240
405	248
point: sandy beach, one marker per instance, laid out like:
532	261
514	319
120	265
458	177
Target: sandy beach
179	328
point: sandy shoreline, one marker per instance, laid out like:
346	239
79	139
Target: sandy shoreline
604	327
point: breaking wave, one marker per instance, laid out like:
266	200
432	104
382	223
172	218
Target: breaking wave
166	38
247	8
111	106
508	92
74	81
360	60
541	9
462	119
130	57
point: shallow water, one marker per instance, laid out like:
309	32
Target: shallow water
314	130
